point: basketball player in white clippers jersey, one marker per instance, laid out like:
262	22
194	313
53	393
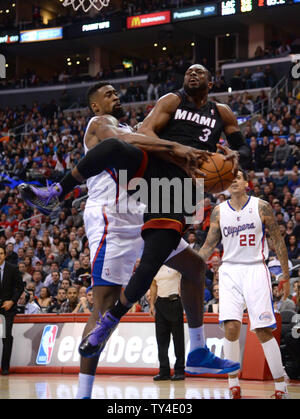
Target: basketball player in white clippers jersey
115	244
244	279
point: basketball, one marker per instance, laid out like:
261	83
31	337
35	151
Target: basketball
218	172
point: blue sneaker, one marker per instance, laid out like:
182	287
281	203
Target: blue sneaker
94	343
44	199
203	361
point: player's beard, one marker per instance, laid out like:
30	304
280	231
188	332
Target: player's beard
118	112
195	90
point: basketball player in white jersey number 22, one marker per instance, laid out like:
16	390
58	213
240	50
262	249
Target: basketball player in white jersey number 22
244	278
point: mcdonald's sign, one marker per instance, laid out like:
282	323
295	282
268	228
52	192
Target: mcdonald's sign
151	19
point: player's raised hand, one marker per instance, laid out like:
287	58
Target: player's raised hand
230	155
192	160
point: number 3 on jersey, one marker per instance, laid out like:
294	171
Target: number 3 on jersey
249	242
206	133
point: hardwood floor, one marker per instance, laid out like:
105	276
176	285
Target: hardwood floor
134	387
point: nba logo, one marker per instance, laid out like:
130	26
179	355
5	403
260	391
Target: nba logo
47	345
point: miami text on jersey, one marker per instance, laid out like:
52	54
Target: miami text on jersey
195	117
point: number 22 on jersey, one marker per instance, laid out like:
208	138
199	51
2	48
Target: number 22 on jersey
247	240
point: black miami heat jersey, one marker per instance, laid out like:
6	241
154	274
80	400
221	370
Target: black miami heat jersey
195	127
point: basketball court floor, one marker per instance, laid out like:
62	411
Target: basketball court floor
132	387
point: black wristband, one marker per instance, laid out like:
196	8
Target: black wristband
237	142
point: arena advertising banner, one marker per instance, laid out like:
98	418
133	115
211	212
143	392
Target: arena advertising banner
97	27
196	12
131	347
38	35
9	38
151	19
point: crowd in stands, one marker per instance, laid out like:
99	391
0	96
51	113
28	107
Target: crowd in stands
282	125
274	49
163	75
158	72
260	77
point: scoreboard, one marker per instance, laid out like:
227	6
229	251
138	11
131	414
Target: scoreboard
231	7
262	3
246	6
228	7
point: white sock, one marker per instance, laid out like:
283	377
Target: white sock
232	352
233	382
281	386
197	337
85	385
273	357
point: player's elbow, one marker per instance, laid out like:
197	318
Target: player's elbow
146	131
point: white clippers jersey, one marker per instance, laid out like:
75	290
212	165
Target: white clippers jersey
243	233
103	190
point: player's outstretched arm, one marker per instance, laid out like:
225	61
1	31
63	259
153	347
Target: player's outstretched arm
213	235
269	220
106	126
160	115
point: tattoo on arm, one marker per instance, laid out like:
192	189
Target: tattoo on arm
213	236
268	218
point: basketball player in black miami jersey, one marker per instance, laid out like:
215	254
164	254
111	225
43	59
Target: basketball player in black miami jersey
122	155
189	118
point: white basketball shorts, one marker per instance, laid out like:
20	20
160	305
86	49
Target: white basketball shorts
115	245
246	286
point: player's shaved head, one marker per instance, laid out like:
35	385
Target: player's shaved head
197	80
208	73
